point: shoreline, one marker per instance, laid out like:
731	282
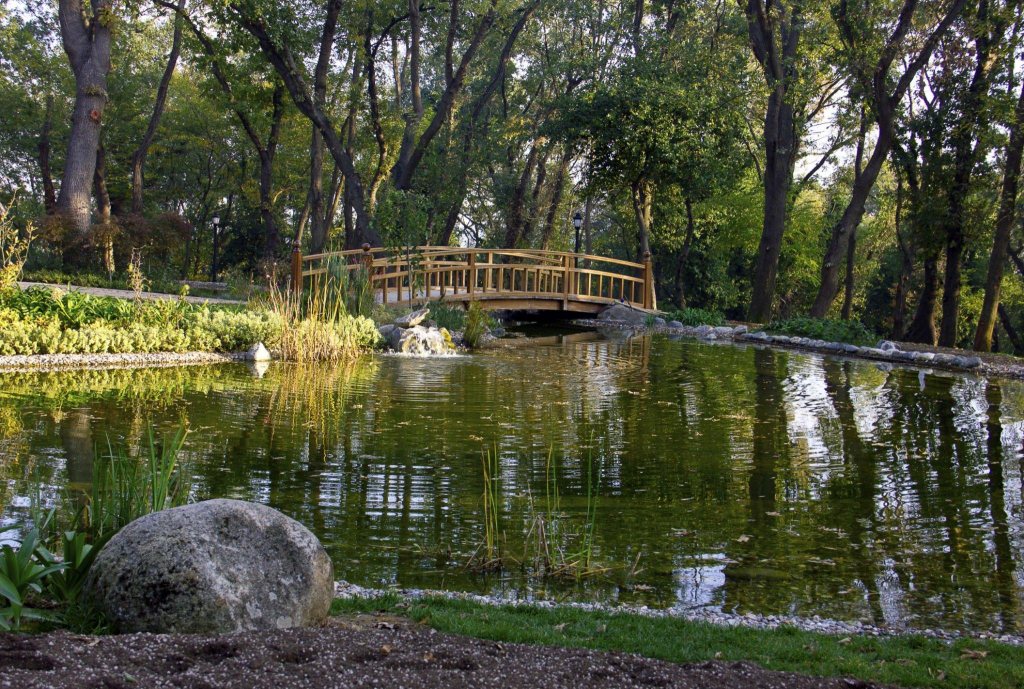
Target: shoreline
59	362
832	627
905	354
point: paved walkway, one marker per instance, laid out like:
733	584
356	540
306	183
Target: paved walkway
128	294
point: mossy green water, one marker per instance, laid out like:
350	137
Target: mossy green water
742	479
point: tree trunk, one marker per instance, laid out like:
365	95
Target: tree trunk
556	202
850	219
318	226
922	328
49	193
271	234
851	251
514	226
971	127
139	157
642	202
412	119
87	44
684	254
1004	227
780	147
899	311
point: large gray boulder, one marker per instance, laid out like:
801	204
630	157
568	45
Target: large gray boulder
620	313
212	567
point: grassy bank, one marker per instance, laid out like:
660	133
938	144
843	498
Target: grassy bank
908	661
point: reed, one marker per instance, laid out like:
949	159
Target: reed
126	488
317	326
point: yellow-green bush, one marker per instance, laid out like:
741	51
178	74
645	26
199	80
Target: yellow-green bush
204	329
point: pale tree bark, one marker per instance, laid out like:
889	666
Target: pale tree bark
887	90
85	34
412	119
851	249
1004	227
139	157
378	129
514	225
774	39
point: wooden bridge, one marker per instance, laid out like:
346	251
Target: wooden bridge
499	279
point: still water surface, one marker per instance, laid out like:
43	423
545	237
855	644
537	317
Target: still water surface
744	479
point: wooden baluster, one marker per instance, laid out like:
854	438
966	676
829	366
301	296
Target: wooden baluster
566	268
471	287
296	268
648	281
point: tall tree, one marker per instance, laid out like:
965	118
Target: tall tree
1004	228
85	30
884	90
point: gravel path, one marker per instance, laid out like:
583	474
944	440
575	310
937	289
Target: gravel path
127	294
355	652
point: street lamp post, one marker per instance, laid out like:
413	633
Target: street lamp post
577	222
216	238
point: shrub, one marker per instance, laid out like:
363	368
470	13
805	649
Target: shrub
309	339
447	315
44	321
852	332
694	317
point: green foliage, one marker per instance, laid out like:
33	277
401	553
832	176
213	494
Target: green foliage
45	321
125	488
649	320
695	317
448	316
65	583
478	322
852	332
21	577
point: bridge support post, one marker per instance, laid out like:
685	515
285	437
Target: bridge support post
297	269
648	281
566	280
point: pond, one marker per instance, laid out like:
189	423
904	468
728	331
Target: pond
743	479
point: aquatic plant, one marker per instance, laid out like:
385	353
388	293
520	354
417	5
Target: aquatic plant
316	326
125	488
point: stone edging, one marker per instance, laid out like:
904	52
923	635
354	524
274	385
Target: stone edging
45	362
886	351
345	590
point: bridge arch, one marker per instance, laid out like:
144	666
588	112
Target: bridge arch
498	279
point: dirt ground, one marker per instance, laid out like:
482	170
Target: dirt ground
353	652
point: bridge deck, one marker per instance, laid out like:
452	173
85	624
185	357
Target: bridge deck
497	279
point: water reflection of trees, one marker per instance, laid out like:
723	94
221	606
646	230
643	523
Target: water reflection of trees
754	480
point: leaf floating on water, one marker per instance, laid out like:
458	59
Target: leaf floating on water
743	539
773	514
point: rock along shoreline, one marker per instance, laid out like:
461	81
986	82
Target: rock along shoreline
345	590
896	353
48	362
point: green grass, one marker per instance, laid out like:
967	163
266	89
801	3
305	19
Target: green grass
908	661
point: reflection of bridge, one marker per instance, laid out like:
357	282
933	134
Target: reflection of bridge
525	280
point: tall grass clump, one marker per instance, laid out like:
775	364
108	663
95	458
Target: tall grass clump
13	247
317	326
126	488
478	323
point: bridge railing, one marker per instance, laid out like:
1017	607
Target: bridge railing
416	274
